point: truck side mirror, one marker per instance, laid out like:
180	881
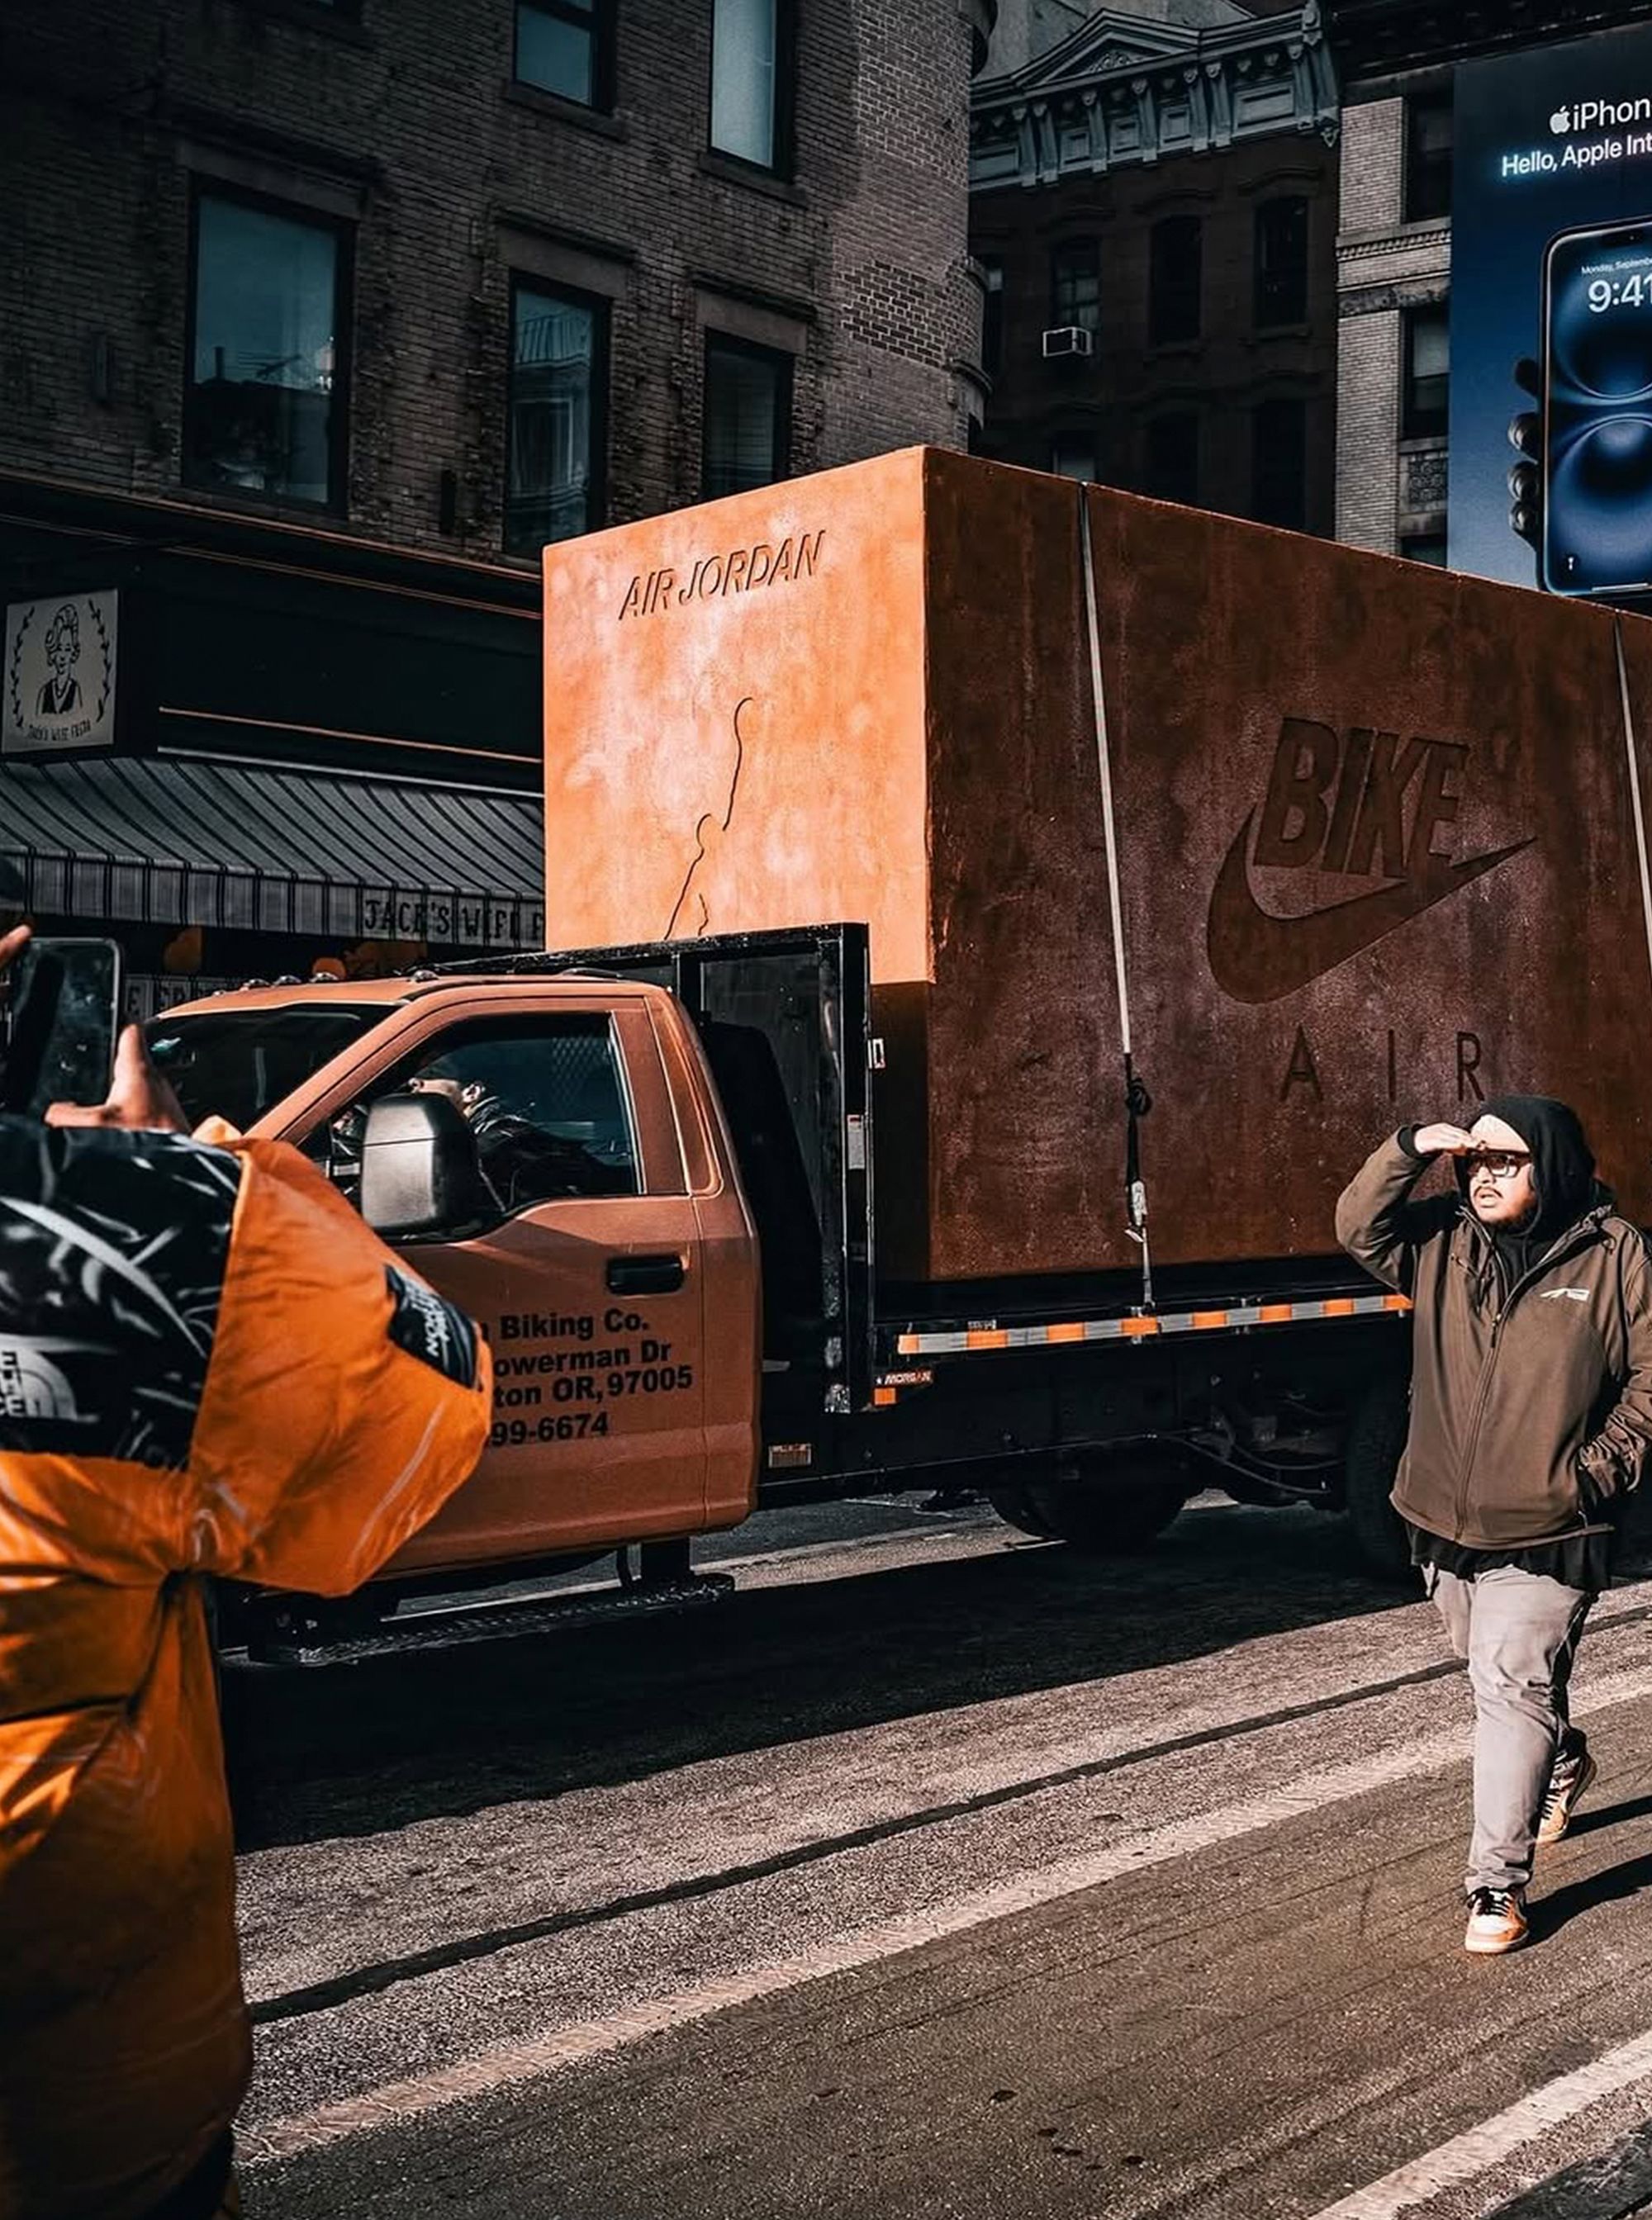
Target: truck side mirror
419	1172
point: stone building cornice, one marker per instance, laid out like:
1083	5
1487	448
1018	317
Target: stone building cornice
1410	239
1125	92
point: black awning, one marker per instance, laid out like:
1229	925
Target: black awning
139	840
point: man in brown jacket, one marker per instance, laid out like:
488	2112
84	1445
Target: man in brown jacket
1531	1420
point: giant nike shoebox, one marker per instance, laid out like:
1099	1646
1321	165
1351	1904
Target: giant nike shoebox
1374	852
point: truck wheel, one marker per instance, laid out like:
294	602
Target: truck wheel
1113	1505
1376	1440
1014	1506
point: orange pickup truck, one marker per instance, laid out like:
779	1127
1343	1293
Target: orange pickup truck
1188	858
646	1173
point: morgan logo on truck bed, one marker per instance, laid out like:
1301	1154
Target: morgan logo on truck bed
1358	805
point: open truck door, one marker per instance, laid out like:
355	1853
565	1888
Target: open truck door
783	1020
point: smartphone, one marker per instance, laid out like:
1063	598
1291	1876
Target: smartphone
66	1001
1597	367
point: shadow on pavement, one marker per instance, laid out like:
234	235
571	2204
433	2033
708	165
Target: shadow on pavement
1613	1815
1550	1913
354	1748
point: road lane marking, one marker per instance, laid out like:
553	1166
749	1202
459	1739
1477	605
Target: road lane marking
1606	2186
336	1989
510	2064
1478	2149
378	1975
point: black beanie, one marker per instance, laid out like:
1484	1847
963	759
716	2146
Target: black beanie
1563	1162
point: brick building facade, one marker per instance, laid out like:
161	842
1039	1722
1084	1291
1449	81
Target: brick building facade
317	317
1163	182
1393	283
408	127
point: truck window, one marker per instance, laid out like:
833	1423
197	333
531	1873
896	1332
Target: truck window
544	1098
239	1063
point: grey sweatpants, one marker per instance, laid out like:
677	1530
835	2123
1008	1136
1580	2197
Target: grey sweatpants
1519	1633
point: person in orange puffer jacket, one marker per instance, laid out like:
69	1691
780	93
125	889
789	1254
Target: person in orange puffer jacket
209	1367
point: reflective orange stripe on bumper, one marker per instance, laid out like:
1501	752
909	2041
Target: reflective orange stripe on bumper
1238	1318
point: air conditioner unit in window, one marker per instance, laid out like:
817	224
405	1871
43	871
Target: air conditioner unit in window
1068	338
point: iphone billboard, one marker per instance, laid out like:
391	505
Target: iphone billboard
1550	409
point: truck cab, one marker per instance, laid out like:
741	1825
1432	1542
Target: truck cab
603	1244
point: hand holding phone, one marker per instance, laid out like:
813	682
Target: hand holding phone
139	1101
65	999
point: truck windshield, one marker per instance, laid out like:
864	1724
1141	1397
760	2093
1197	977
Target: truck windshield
239	1063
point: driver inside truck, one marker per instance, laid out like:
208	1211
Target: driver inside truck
544	1103
527	1156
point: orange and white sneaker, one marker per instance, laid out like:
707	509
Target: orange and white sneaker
1565	1784
1497	1921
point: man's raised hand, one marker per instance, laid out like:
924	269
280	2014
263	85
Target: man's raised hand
1441	1141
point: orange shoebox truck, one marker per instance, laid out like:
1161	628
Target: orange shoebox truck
996	917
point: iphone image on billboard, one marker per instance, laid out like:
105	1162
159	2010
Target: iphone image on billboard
1597	372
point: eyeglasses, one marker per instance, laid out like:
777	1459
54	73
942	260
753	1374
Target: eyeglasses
1498	1163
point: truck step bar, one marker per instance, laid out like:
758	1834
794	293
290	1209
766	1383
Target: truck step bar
1147	1325
291	1639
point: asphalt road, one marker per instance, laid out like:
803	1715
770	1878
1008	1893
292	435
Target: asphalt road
939	1874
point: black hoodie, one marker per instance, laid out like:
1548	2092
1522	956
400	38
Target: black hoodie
1562	1168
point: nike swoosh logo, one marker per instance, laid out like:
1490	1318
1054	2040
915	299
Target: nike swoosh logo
1255	957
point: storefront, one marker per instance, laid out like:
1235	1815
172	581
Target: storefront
255	750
